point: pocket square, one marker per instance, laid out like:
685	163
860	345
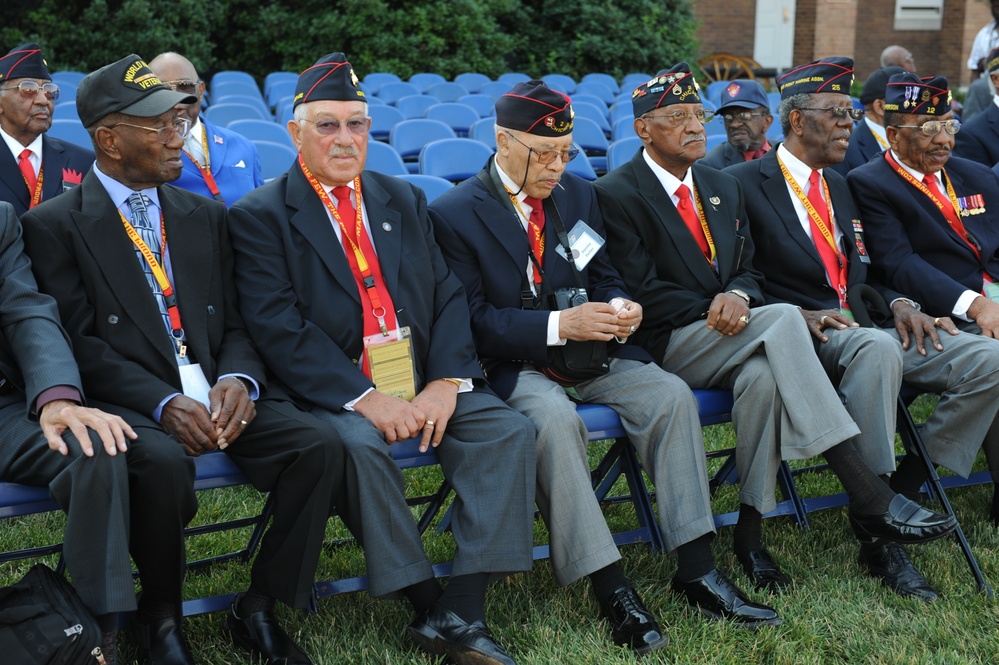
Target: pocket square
239	165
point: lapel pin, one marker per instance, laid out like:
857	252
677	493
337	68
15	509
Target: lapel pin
714	200
386	226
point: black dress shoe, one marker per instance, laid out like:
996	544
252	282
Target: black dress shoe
162	643
904	522
888	562
632	625
463	643
261	635
763	571
715	596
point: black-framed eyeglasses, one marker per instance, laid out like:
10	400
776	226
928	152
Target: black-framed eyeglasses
680	118
548	156
839	112
31	88
933	127
183	85
331	126
741	116
181	127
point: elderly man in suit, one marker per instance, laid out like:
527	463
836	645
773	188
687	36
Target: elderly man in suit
157	336
679	235
218	163
502	232
354	310
44	438
979	136
38	166
930	223
868	136
810	248
745	110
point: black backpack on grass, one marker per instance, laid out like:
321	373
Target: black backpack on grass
44	622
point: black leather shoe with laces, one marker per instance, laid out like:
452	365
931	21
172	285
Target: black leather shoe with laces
888	562
715	596
631	623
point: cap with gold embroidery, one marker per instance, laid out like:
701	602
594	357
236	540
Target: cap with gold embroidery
127	86
907	93
833	74
24	62
992	61
535	108
670	86
331	78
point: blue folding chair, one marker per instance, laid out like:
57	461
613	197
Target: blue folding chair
280	90
597	115
446	91
472	81
422	81
590	138
223	114
433	186
484	131
227	76
67	93
262	130
581	166
71	130
713	91
620	110
621	151
68	77
375	80
495	89
591	100
415	106
275	158
255	102
454	159
457	116
623	128
598	90
603	79
409	136
560	82
632	80
484	105
277	77
234	89
65	111
390	93
513	78
384	159
383	118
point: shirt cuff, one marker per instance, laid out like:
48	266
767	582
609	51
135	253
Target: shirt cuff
349	406
466	386
963	303
254	386
553	338
159	409
57	392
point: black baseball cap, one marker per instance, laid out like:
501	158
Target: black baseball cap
127	86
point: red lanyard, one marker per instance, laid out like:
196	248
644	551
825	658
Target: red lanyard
158	272
206	170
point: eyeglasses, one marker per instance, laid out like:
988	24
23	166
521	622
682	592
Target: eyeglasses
331	127
548	156
933	127
30	89
839	112
181	127
741	116
183	85
680	118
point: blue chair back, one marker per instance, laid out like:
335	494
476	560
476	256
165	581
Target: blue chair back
598	90
582	167
277	77
560	82
390	93
713	91
595	114
375	80
384	159
454	159
495	89
484	105
458	116
255	102
472	81
632	80
262	130
422	81
383	118
409	136
590	99
513	78
69	76
281	89
234	89
71	130
621	110
65	111
446	91
275	158
223	114
621	151
484	131
433	186
623	128
603	79
415	106
227	76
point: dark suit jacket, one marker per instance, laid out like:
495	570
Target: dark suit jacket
978	139
863	146
226	149
486	246
83	257
297	290
34	350
913	248
721	156
785	254
60	161
659	259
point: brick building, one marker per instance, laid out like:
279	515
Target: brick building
779	33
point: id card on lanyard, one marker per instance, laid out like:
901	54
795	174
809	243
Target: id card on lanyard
390	359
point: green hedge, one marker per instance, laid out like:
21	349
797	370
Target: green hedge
572	37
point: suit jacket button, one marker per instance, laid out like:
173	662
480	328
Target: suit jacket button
353	360
211	309
112	319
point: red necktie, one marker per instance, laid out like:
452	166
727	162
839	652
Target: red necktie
536	233
28	171
835	266
348	218
690	218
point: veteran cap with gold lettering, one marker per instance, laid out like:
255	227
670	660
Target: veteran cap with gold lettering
24	62
833	74
992	61
907	93
331	78
670	86
535	108
127	86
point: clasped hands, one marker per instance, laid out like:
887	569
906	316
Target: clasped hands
200	430
600	321
398	420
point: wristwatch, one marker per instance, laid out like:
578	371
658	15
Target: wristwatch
741	294
458	382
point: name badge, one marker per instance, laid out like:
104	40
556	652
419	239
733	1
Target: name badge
390	359
584	243
992	291
194	383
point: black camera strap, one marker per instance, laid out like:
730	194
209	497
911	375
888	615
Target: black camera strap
494	185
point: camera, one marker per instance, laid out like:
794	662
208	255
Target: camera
566	297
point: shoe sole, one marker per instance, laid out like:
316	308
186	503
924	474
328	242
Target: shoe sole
426	641
748	625
649	648
464	656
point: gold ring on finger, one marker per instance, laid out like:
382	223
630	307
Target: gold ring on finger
744	319
822	321
936	321
428	423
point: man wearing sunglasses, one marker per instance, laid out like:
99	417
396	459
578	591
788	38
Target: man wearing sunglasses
745	110
810	247
679	236
142	275
37	167
218	163
931	226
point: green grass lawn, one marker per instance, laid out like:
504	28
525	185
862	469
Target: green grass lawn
831	615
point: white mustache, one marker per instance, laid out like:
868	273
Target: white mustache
343	151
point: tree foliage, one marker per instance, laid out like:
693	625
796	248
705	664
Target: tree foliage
446	36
